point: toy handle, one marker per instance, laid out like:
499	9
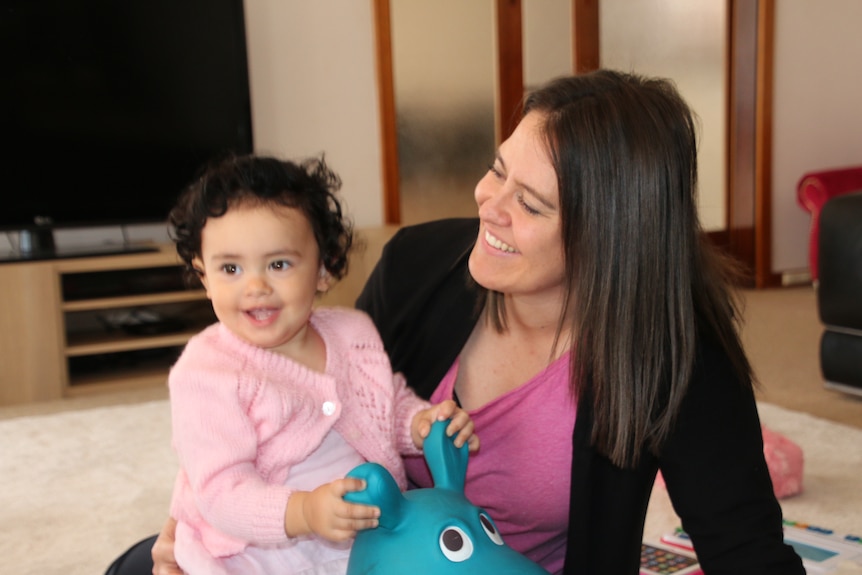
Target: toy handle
380	490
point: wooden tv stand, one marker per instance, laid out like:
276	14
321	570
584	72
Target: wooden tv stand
56	337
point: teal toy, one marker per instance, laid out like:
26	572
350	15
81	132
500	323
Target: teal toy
434	531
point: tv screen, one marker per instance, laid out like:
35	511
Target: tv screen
110	107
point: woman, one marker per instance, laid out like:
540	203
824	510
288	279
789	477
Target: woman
588	328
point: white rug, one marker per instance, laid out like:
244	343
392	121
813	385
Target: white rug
79	487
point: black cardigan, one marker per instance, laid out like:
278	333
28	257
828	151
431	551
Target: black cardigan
422	301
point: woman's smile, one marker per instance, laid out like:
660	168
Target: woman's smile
498	243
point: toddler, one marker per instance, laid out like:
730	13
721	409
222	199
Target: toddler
277	401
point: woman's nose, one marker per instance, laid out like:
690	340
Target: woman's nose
490	197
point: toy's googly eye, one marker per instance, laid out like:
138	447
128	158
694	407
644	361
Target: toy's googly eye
455	544
490	529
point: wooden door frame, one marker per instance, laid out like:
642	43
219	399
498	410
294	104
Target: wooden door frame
510	89
748	230
388	115
749	143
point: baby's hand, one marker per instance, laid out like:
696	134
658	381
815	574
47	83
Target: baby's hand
460	423
324	511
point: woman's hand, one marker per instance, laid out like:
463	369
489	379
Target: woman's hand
325	512
164	561
461	424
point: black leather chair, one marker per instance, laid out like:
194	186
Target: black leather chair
839	292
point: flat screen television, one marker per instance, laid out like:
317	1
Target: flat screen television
110	107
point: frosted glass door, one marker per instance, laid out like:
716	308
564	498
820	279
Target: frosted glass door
686	41
443	72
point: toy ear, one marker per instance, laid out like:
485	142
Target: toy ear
448	464
380	490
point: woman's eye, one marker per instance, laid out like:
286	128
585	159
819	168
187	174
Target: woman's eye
495	171
527	207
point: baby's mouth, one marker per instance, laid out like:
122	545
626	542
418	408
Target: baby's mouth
261	313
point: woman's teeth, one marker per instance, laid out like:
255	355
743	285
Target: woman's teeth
500	245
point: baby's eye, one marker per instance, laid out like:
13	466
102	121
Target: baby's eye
279	265
230	269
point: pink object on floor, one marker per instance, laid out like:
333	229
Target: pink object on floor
784	461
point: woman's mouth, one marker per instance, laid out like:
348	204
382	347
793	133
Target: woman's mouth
498	243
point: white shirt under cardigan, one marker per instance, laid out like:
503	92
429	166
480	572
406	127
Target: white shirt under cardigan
243	417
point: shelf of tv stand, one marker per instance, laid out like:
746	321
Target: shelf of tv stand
118	381
47	355
133	300
95	344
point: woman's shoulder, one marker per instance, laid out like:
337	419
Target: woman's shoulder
436	236
418	257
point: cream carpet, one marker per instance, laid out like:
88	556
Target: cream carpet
79	487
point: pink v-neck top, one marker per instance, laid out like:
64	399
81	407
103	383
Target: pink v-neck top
526	448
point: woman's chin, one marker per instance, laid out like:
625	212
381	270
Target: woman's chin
487	274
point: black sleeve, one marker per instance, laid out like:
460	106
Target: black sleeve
137	560
422	300
717	478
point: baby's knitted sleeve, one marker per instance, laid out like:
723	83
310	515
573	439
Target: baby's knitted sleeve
407	405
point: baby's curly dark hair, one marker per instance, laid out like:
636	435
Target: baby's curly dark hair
308	186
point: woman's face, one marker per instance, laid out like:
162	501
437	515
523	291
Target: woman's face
519	250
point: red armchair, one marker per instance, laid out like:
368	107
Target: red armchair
834	198
813	191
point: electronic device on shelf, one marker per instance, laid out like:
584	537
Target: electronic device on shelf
109	109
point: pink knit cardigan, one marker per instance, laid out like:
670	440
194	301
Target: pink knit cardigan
242	416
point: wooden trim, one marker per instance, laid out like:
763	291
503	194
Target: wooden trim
742	56
388	116
585	35
510	66
729	131
763	146
32	338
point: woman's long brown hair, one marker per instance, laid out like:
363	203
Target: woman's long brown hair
643	282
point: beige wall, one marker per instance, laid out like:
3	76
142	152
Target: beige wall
817	119
314	89
817	109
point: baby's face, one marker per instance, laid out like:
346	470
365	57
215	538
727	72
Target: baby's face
261	270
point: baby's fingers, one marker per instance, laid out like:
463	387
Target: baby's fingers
446	409
353	511
353	517
342	487
463	425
